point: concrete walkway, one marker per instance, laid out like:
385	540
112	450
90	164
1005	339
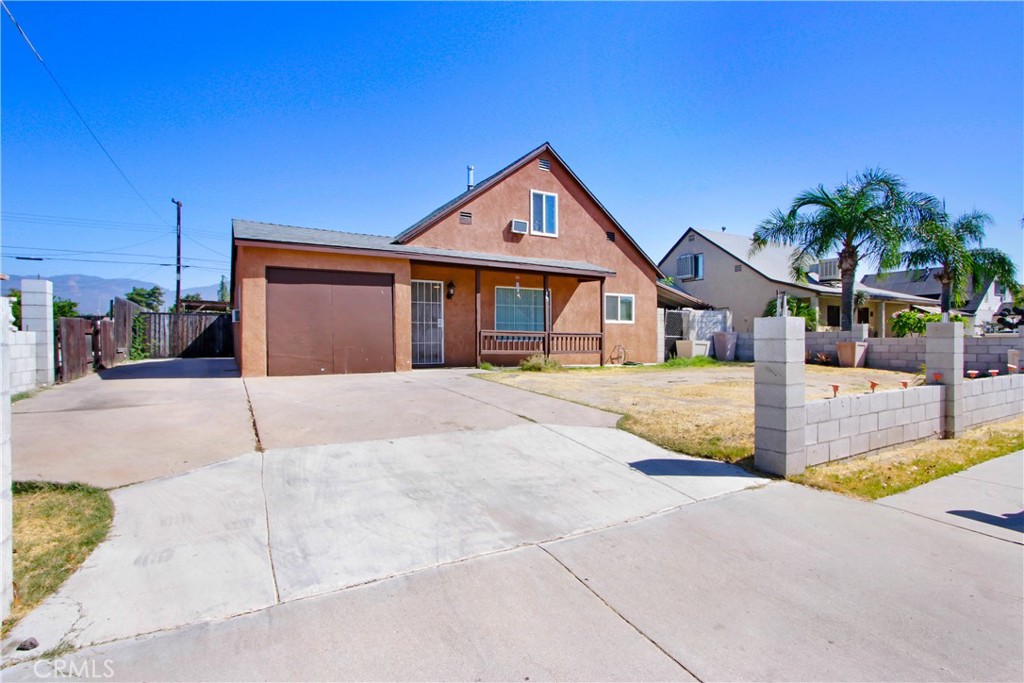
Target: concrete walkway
987	498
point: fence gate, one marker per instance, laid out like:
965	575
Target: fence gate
188	335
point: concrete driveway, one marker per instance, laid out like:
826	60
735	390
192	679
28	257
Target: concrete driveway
132	423
432	526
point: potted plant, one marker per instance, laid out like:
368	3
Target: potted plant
851	354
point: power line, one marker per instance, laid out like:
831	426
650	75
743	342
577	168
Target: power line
126	263
212	251
78	113
98	224
71	252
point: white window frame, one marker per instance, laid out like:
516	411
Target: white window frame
543	194
525	289
696	266
618	296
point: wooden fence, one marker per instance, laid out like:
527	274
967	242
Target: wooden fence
84	344
188	335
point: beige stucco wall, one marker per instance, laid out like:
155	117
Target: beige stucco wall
744	293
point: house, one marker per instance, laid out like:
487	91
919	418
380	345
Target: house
526	261
717	268
984	303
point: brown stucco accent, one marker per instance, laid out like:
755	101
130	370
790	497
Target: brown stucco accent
251	274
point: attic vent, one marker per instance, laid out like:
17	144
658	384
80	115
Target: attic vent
737	268
545	165
828	270
610	236
465	218
690	239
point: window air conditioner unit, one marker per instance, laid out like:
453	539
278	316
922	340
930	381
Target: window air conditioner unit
519	227
828	270
684	268
236	315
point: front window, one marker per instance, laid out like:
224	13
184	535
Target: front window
518	309
544	213
832	316
618	308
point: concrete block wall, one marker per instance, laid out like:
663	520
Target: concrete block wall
896	353
822	342
779	388
37	316
990	352
993	399
6	498
22	349
846	426
745	347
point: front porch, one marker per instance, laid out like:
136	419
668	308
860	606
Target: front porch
506	315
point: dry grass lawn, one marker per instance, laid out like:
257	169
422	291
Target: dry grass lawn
56	526
705	411
905	467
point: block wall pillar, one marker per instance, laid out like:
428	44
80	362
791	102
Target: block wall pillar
779	406
37	316
6	499
944	363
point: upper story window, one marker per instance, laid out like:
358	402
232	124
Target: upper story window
543	213
690	267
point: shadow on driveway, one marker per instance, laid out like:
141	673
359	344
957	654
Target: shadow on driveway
1014	521
669	467
174	368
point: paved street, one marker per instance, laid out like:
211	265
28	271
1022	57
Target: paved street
527	540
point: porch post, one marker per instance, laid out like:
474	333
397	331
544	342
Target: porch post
547	319
478	317
600	310
881	327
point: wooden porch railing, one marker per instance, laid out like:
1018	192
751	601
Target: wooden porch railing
520	343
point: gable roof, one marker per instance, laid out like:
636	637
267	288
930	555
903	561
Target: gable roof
922	282
440	212
253	231
773	261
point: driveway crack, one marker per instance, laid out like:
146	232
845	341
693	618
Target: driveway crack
620	615
266	518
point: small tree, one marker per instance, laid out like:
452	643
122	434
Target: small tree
64	308
797	309
152	298
954	245
222	292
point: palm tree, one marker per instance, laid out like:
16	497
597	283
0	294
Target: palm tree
949	244
868	217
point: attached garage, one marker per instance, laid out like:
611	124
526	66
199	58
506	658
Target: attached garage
329	322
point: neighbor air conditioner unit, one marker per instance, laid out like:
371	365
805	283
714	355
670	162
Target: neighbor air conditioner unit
520	227
828	270
236	315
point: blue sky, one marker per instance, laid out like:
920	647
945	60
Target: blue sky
362	117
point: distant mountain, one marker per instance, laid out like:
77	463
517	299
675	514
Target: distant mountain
94	294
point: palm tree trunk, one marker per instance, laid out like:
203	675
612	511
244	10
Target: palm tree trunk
945	301
846	300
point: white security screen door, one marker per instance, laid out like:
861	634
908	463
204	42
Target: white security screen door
427	322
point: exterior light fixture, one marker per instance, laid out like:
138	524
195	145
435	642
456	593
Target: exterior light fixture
451	289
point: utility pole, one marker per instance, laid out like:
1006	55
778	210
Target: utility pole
177	296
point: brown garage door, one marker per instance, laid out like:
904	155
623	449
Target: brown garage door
329	322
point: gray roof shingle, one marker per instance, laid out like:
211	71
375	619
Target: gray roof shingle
290	234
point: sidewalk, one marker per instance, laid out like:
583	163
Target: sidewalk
987	498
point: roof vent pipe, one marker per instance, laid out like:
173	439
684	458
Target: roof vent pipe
469	178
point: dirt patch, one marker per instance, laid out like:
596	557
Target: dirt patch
705	411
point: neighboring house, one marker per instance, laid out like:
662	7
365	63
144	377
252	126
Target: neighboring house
716	267
984	303
526	261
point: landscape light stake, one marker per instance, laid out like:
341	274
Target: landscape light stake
904	383
993	373
972	373
835	390
873	384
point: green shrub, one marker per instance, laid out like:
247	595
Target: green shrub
538	362
915	322
695	362
139	349
798	309
484	365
